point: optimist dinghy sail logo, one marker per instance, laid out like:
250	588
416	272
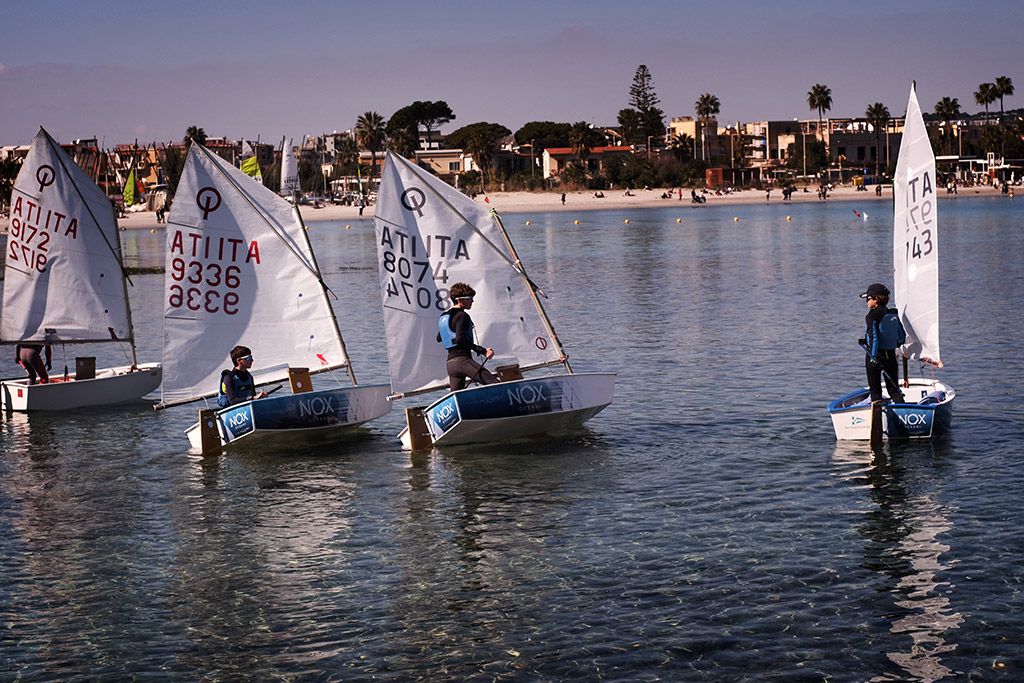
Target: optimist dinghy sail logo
45	175
414	199
208	201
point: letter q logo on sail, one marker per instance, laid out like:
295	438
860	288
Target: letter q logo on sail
414	199
45	175
208	201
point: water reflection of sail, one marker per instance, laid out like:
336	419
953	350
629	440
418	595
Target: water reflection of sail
905	529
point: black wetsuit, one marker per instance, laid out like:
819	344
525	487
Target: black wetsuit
879	359
460	364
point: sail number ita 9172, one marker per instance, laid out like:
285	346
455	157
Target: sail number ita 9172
208	287
414	282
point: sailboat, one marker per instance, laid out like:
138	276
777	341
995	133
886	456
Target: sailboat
430	236
240	271
66	284
289	171
928	411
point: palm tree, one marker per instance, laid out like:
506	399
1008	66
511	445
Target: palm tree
371	137
948	109
195	134
1004	88
820	98
681	145
985	95
877	115
706	106
581	139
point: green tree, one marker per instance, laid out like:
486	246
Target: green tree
817	158
402	132
819	99
432	115
985	95
9	168
948	109
1004	88
371	136
582	139
877	115
194	133
173	163
630	126
543	135
479	140
643	99
682	147
706	106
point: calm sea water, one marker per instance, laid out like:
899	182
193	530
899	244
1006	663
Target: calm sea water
707	525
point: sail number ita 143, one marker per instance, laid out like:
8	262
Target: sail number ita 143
919	214
416	268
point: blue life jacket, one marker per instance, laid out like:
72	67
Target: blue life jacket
890	332
445	330
243	386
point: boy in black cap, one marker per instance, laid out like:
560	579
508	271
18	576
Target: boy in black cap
882	334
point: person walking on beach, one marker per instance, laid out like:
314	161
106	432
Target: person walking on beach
455	332
28	356
882	334
237	384
563	199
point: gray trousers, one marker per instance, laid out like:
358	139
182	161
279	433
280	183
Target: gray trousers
462	368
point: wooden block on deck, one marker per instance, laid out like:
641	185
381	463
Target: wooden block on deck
509	373
85	367
300	380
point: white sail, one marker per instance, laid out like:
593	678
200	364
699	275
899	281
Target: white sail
64	278
916	239
239	271
430	236
289	171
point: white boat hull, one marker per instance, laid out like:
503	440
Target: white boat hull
108	387
306	414
930	414
510	410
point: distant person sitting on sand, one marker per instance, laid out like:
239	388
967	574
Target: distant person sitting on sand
237	384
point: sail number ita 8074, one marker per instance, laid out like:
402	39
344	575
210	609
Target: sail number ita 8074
410	277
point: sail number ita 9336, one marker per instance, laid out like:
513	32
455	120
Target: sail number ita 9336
209	287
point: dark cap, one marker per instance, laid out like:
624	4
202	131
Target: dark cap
875	290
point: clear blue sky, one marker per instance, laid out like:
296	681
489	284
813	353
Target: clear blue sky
122	70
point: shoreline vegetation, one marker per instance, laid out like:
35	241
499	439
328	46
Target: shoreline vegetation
585	200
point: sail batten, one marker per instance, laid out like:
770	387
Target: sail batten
240	271
430	236
916	239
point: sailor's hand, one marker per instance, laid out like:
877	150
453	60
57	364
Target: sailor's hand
49	366
262	394
489	354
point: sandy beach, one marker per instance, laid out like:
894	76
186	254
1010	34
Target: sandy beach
527	202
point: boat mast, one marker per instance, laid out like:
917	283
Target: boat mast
327	299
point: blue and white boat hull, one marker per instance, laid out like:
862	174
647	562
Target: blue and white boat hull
304	414
931	413
510	410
